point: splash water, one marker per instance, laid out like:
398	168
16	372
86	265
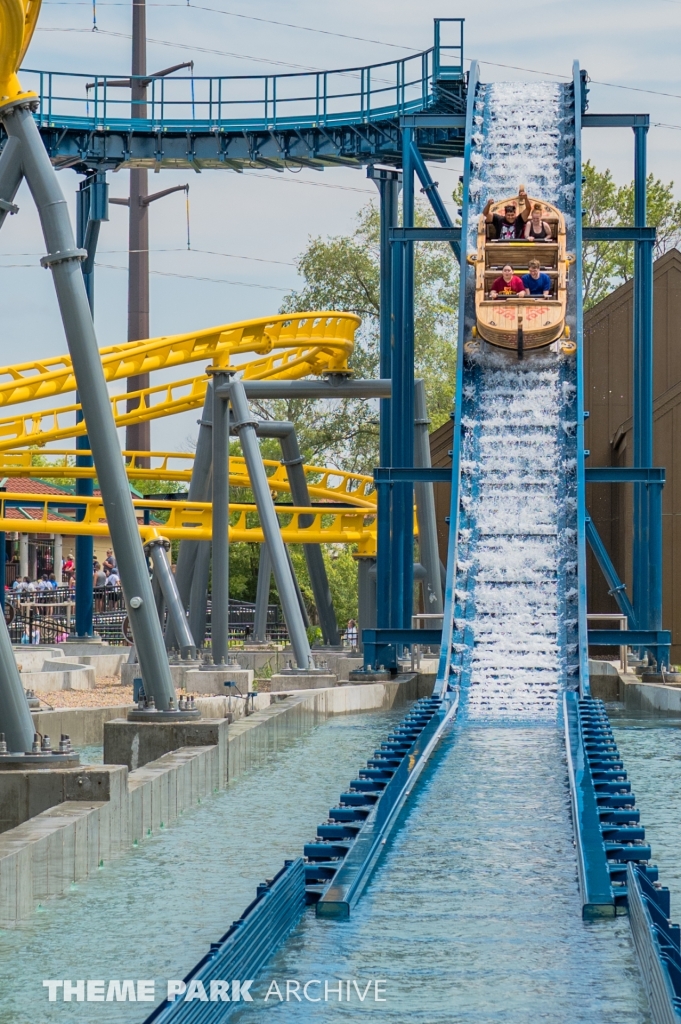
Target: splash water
516	575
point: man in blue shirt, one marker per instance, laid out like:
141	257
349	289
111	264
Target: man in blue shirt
536	283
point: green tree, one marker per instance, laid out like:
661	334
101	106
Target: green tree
606	265
343	273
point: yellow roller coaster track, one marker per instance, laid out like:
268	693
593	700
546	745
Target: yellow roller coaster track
294	358
324	484
193	520
291	345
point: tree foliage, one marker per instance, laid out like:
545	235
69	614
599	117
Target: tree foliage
604	203
343	273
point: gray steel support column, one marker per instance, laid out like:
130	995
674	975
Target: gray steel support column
220	586
159	600
64	261
366	597
262	595
425	507
198	597
11	176
299	593
15	718
293	461
199	490
246	428
176	613
23	555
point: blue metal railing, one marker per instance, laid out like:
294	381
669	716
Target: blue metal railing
239	955
320	99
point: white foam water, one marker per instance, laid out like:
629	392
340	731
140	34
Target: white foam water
516	539
513	553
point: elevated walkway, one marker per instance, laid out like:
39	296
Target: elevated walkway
347	117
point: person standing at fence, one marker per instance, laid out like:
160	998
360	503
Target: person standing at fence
68	567
110	563
98	584
351	634
113	586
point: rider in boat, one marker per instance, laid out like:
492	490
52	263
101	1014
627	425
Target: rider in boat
509	284
536	283
537	229
510	227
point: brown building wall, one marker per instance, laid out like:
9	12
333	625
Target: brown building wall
608	332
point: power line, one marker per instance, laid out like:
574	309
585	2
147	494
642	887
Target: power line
196	277
233	14
207	252
186	46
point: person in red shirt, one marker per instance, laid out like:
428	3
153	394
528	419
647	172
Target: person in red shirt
506	285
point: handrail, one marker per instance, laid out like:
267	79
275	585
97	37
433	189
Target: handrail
315	98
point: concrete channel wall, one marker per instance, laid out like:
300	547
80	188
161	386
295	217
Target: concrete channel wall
611	684
75	838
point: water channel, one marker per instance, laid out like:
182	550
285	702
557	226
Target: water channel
473	916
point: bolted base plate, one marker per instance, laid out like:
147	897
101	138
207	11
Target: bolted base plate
364	675
9	762
147	715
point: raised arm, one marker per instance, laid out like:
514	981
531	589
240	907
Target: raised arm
525	200
487	212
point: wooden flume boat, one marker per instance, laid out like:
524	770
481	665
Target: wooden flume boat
521	323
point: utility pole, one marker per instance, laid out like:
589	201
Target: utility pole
138	435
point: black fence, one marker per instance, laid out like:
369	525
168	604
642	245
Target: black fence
32	625
47	616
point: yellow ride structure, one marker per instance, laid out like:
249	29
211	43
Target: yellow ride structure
283	347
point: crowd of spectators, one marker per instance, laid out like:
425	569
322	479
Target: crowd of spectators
106	582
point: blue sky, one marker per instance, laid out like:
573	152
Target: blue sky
268	218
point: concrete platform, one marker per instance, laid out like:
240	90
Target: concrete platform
609	683
286	681
23	794
199	682
135	744
59	675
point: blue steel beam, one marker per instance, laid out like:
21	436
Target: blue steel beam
388	183
433	121
625	474
619	234
442	234
617	588
595	886
577	84
215	986
349	852
429	187
630	637
646	603
403	411
426	475
615	120
465	281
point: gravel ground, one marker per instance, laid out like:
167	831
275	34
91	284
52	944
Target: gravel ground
107	693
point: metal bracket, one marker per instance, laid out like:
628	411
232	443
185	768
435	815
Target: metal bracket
624	233
9	207
59	257
625	475
425	234
416	474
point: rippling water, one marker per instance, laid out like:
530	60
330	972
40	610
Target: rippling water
154	913
474	914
